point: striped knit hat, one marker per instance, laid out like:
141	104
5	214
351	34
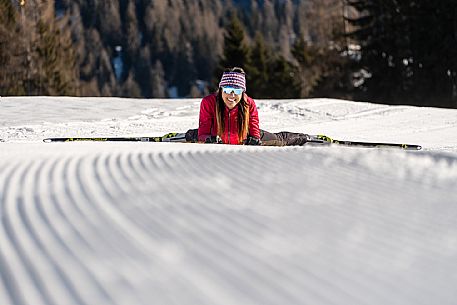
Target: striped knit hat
233	79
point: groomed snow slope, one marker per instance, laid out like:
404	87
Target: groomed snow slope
160	223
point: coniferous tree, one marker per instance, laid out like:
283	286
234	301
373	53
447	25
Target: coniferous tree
284	80
236	51
433	64
143	71
309	70
56	62
12	60
158	81
259	69
132	37
130	87
108	21
269	22
380	31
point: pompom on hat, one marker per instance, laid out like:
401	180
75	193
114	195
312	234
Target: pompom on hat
233	79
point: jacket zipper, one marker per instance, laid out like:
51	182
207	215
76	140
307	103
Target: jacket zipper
229	127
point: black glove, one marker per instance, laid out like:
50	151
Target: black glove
213	140
192	136
252	141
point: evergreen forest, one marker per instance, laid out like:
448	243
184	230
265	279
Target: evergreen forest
387	51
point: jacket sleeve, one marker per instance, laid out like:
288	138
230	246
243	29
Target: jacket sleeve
206	118
254	129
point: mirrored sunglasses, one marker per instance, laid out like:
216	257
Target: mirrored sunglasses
229	90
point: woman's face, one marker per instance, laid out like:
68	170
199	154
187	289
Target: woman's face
231	99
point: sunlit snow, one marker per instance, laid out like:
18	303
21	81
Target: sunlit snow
172	223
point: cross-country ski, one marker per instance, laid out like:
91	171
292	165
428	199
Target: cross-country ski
181	138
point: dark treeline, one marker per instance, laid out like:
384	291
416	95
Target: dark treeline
409	50
379	50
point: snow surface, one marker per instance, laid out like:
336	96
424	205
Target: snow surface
163	223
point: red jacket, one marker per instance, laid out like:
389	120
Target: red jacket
208	126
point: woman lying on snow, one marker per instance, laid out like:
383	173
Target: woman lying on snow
230	116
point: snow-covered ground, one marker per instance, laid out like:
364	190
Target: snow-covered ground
162	223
